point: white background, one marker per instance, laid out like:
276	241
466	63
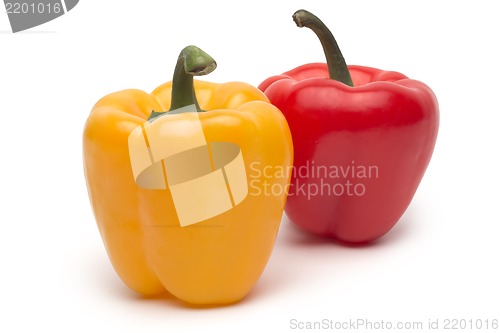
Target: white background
440	261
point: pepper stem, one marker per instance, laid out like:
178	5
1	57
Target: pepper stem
337	67
192	61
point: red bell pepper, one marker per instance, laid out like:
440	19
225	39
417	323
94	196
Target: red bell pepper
363	139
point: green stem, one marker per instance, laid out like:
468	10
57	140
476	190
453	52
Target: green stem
192	61
337	67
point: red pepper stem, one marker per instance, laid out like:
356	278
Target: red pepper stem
192	61
337	67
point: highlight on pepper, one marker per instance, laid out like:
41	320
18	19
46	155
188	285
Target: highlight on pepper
205	179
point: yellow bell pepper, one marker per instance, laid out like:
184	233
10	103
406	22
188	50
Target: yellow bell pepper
183	199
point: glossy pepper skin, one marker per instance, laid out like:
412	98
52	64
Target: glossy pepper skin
366	147
216	261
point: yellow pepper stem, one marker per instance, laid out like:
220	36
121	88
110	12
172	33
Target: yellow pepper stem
192	61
